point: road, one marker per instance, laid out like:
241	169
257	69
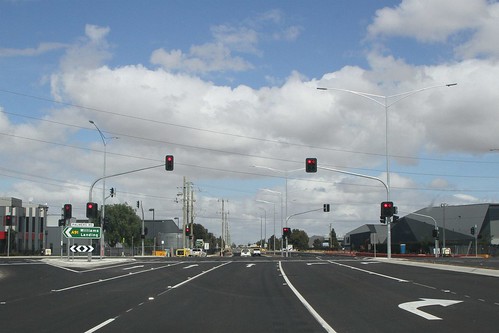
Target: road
267	294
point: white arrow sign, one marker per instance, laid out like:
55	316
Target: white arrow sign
415	305
81	248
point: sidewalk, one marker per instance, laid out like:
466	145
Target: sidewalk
445	267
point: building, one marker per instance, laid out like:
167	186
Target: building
462	229
27	229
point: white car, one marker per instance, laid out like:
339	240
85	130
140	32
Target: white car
256	252
245	253
198	253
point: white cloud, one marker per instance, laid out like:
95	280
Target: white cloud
428	20
42	48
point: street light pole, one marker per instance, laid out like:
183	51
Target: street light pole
273	203
282	217
103	209
384	102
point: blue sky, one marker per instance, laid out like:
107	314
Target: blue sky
227	85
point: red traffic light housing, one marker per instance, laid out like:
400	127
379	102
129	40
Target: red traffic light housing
92	210
311	164
187	230
68	211
8	220
169	162
387	209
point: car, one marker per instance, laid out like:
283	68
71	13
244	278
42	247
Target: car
198	253
256	252
245	253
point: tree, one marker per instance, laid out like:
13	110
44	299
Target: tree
317	244
299	239
333	240
123	225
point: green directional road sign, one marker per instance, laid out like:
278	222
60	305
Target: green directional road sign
82	232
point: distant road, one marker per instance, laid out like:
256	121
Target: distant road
260	294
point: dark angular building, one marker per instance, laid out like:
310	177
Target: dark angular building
458	229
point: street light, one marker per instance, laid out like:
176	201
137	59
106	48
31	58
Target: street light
272	203
282	216
265	227
286	177
152	210
103	180
384	101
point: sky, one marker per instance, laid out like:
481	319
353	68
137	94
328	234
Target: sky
230	89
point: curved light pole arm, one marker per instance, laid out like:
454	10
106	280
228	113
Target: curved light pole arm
436	228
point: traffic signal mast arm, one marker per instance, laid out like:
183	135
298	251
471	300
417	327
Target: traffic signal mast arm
308	211
119	174
359	175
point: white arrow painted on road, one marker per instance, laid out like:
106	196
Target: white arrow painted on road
414	306
190	266
249	265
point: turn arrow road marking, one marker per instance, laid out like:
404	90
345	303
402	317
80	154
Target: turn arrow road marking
414	306
249	265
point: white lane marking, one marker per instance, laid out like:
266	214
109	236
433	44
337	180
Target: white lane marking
414	306
133	267
307	305
112	278
101	325
189	279
316	263
369	272
249	265
190	266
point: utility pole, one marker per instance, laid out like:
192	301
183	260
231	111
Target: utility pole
192	216
184	212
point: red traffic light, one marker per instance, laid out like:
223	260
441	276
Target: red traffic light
387	209
311	164
169	162
68	211
92	210
286	232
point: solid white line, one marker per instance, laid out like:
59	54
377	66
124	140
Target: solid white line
194	277
310	309
111	278
368	272
101	325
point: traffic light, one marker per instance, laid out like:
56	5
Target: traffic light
311	164
326	207
387	209
111	190
92	210
169	163
62	222
8	220
472	230
286	232
382	219
187	230
68	211
435	233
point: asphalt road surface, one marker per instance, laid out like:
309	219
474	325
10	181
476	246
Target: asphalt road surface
260	294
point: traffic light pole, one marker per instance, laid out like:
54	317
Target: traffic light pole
436	228
388	219
109	176
290	216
